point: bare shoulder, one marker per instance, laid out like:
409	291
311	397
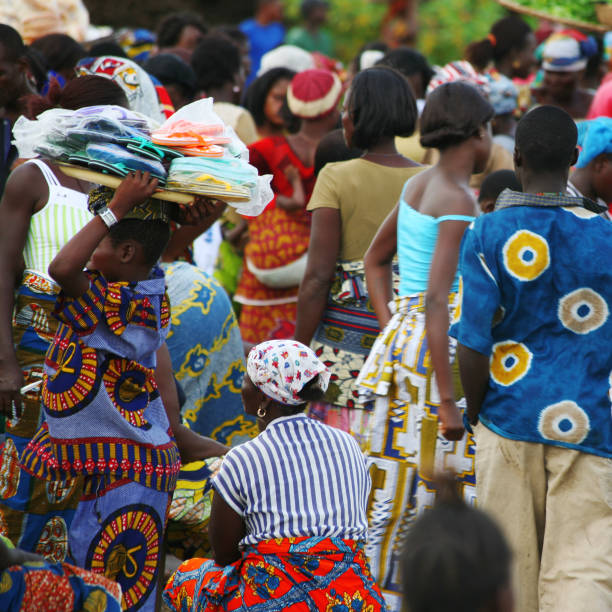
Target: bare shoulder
26	183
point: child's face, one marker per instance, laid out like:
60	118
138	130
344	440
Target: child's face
105	259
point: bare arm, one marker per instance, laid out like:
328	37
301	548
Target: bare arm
441	275
192	446
197	219
25	191
67	266
323	251
297	200
377	262
225	531
474	370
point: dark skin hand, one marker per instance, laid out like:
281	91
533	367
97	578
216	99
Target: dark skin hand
195	219
192	446
25	194
10	557
474	371
68	265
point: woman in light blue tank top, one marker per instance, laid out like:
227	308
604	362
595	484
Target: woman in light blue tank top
416	428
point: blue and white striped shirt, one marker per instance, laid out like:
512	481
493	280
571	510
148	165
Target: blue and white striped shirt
299	477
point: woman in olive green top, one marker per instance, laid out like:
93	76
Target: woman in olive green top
349	203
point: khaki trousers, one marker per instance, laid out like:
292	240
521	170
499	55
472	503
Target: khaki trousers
555	507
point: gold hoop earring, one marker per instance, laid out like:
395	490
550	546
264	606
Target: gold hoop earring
261	412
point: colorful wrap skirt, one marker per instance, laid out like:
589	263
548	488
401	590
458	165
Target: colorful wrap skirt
34	514
57	587
342	341
404	447
207	355
118	532
295	574
189	512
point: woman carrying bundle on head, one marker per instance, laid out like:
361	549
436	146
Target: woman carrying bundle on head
409	378
288	521
40	210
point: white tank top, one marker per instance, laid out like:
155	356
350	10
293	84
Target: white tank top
64	214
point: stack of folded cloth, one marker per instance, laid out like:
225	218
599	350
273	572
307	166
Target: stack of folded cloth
108	139
193	152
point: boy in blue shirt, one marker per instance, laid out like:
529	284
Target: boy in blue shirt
534	336
265	32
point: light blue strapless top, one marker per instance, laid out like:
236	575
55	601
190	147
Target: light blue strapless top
417	234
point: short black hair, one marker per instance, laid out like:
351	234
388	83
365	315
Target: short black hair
170	28
546	138
455	558
152	235
310	392
381	105
11	42
60	51
170	69
408	62
216	61
333	148
256	94
107	47
453	113
496	182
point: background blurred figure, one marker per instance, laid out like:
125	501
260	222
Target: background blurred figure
311	35
182	30
175	75
36	18
275	256
14	85
503	96
493	185
219	73
238	37
509	48
265	31
61	54
456	558
287	56
265	99
564	59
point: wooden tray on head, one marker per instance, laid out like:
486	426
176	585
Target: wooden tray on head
575	23
169	195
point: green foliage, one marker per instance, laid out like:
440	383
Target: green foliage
582	10
447	27
352	23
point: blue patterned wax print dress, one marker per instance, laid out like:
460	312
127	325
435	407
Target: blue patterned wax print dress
105	420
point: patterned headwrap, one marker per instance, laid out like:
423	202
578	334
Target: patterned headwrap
281	368
567	51
143	95
458	71
151	210
594	138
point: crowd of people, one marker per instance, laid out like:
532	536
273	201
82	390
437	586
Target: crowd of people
299	410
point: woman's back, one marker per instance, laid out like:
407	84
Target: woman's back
299	477
417	228
364	192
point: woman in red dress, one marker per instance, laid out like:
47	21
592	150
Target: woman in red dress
275	256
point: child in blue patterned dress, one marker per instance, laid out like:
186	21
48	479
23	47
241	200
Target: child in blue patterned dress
106	373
